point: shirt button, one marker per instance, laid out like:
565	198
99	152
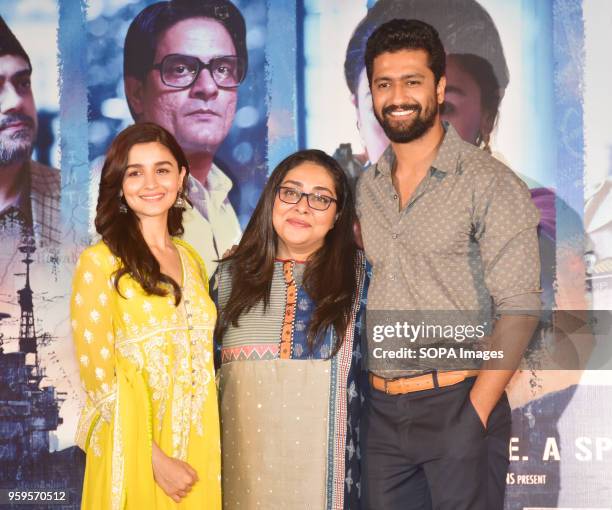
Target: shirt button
394	197
391	277
395	236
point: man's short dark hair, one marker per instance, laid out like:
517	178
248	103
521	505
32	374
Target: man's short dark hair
10	45
147	27
464	26
406	34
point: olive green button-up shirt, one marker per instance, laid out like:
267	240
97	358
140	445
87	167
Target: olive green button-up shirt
466	239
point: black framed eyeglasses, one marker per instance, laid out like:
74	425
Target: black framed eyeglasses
316	201
181	71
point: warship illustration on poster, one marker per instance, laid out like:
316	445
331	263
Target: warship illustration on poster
30	410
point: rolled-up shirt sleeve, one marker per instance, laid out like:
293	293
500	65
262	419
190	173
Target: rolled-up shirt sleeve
506	223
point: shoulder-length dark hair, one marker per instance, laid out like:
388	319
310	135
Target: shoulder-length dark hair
121	231
330	274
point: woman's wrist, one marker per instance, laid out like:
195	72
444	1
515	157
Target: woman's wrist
156	453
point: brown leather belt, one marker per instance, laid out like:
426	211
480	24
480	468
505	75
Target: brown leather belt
427	381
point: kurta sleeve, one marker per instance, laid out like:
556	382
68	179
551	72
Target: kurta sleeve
93	336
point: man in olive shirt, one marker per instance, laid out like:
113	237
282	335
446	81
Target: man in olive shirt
446	228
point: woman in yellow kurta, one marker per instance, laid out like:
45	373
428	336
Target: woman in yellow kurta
142	324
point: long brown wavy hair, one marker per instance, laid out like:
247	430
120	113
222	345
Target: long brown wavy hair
121	231
330	273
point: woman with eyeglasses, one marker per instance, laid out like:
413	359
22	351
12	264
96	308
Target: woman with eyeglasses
142	324
290	301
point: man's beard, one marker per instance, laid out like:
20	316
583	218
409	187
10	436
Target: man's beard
17	146
412	128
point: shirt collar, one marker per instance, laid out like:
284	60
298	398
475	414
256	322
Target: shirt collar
217	183
446	161
212	195
449	154
385	163
22	202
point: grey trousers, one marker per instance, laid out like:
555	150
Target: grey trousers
429	450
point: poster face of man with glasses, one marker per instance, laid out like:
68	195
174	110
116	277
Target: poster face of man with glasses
183	63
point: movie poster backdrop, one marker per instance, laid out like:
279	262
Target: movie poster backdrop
526	80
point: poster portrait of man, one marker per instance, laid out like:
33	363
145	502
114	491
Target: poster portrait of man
29	190
184	65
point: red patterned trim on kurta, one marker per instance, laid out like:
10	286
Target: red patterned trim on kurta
286	343
249	352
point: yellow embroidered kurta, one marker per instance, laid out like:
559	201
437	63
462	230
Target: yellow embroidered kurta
147	368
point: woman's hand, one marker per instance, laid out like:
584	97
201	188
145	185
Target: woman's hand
174	476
